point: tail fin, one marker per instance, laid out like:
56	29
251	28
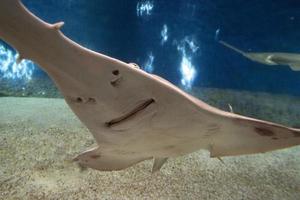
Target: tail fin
242	135
231	47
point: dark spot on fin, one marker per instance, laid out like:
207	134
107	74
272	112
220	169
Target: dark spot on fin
296	133
95	156
263	131
130	114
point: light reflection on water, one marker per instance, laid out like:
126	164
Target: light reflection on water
9	68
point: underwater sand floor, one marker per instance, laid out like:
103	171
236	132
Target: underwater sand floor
39	137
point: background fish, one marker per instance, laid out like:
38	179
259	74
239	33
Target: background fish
270	58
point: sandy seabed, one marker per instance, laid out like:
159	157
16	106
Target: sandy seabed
39	137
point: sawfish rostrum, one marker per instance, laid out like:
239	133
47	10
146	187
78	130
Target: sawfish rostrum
270	58
132	115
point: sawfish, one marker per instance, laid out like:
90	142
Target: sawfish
133	115
270	58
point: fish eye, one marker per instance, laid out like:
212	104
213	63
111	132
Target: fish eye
116	72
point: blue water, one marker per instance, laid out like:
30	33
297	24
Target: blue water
178	39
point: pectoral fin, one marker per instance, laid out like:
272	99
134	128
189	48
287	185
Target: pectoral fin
295	67
158	163
103	161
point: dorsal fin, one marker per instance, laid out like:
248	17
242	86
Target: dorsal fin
158	163
58	25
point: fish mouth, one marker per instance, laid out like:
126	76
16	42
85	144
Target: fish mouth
131	114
